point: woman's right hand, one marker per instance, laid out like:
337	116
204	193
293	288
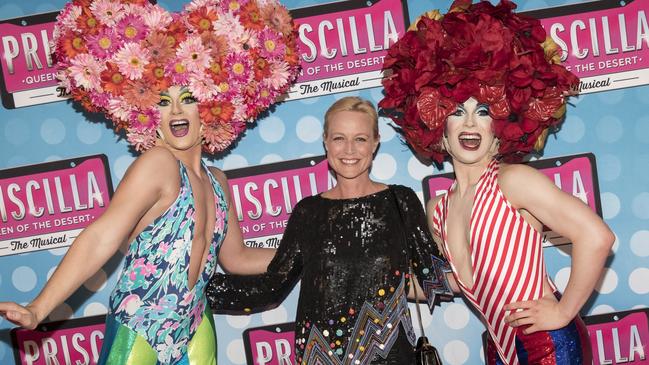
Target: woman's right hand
17	314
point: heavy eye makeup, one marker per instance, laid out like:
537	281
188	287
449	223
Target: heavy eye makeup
187	98
482	110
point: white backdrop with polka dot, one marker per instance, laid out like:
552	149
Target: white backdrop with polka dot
613	125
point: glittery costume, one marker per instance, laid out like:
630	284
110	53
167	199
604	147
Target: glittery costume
351	257
154	314
508	266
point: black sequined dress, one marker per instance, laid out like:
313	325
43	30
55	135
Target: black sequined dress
352	260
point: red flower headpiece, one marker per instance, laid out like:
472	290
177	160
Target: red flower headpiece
483	51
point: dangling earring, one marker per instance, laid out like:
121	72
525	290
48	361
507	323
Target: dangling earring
160	135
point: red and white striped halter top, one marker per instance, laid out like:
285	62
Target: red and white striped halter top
506	255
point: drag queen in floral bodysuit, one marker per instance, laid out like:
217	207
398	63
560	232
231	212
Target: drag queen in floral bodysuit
483	85
178	84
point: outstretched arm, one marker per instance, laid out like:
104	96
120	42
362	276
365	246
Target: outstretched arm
570	217
234	256
139	190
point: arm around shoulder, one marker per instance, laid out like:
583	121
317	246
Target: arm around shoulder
234	256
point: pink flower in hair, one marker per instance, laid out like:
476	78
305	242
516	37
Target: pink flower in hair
193	55
144	120
131	60
68	16
119	109
228	25
86	71
132	28
177	72
203	87
239	68
103	44
239	42
279	74
156	18
141	141
108	12
271	47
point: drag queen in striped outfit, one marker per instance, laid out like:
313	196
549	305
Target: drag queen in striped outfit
483	85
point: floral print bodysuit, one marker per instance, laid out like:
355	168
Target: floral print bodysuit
152	297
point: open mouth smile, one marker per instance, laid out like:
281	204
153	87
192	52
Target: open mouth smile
179	127
470	141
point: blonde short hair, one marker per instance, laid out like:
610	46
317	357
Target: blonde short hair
353	104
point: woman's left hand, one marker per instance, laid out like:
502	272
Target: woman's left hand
544	314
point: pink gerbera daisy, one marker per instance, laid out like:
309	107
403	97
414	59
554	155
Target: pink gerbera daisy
271	45
103	44
218	136
156	17
197	4
119	109
144	120
108	12
132	28
263	97
86	71
141	141
279	74
177	72
193	54
68	16
228	25
239	68
131	60
202	87
100	99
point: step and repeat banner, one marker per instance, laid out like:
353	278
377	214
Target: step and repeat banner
59	168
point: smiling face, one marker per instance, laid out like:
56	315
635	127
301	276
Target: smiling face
180	126
469	136
350	141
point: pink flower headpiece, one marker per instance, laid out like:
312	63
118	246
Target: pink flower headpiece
235	56
483	51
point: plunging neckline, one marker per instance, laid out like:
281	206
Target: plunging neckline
479	186
204	260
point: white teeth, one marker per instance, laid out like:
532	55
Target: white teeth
177	123
345	161
470	137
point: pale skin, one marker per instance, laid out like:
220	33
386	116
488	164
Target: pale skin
148	188
539	202
351	141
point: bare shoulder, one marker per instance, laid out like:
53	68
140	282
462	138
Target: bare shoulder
219	175
156	167
523	185
157	158
519	175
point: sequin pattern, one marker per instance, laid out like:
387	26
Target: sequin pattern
351	257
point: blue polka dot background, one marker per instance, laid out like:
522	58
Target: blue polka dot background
613	125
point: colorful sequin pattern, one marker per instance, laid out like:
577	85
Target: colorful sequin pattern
373	335
152	296
353	263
